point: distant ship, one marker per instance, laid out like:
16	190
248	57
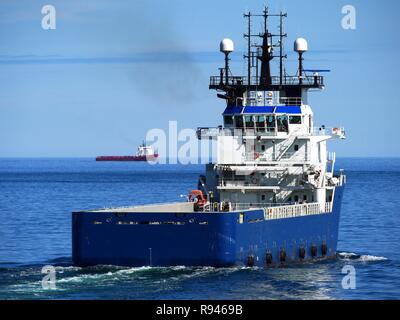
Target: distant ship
271	196
144	153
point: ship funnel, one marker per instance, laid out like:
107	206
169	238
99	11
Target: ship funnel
300	46
226	46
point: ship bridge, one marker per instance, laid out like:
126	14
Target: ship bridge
263	109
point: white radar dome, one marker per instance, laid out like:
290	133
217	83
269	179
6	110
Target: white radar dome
226	46
300	45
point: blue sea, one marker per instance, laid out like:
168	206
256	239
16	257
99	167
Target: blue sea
37	197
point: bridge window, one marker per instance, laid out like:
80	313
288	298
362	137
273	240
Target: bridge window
270	123
282	122
249	121
239	121
295	119
260	122
228	120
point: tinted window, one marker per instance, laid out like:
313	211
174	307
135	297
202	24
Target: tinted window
270	121
249	121
282	122
239	121
228	120
260	121
295	119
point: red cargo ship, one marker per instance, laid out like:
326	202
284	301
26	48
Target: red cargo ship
144	153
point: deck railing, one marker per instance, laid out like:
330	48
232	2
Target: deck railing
273	210
275	101
295	156
305	80
328	131
297	210
207	132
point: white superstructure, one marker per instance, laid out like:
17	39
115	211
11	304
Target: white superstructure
269	151
144	150
272	155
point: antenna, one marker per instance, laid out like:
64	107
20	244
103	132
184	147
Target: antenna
259	54
248	36
265	51
281	55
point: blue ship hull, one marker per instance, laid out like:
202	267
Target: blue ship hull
202	239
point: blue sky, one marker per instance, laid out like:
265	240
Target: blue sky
112	70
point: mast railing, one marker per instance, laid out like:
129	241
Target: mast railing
306	80
291	101
232	80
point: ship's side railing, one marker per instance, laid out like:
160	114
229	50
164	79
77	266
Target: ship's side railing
213	132
274	210
209	132
342	178
248	179
246	206
233	206
328	131
287	156
294	211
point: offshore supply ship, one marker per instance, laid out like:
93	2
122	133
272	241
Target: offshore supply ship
144	153
271	197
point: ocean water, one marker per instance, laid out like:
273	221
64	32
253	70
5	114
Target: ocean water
37	197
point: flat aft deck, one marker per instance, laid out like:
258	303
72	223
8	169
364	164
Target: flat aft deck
177	207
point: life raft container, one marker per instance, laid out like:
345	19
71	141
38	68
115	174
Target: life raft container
198	198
